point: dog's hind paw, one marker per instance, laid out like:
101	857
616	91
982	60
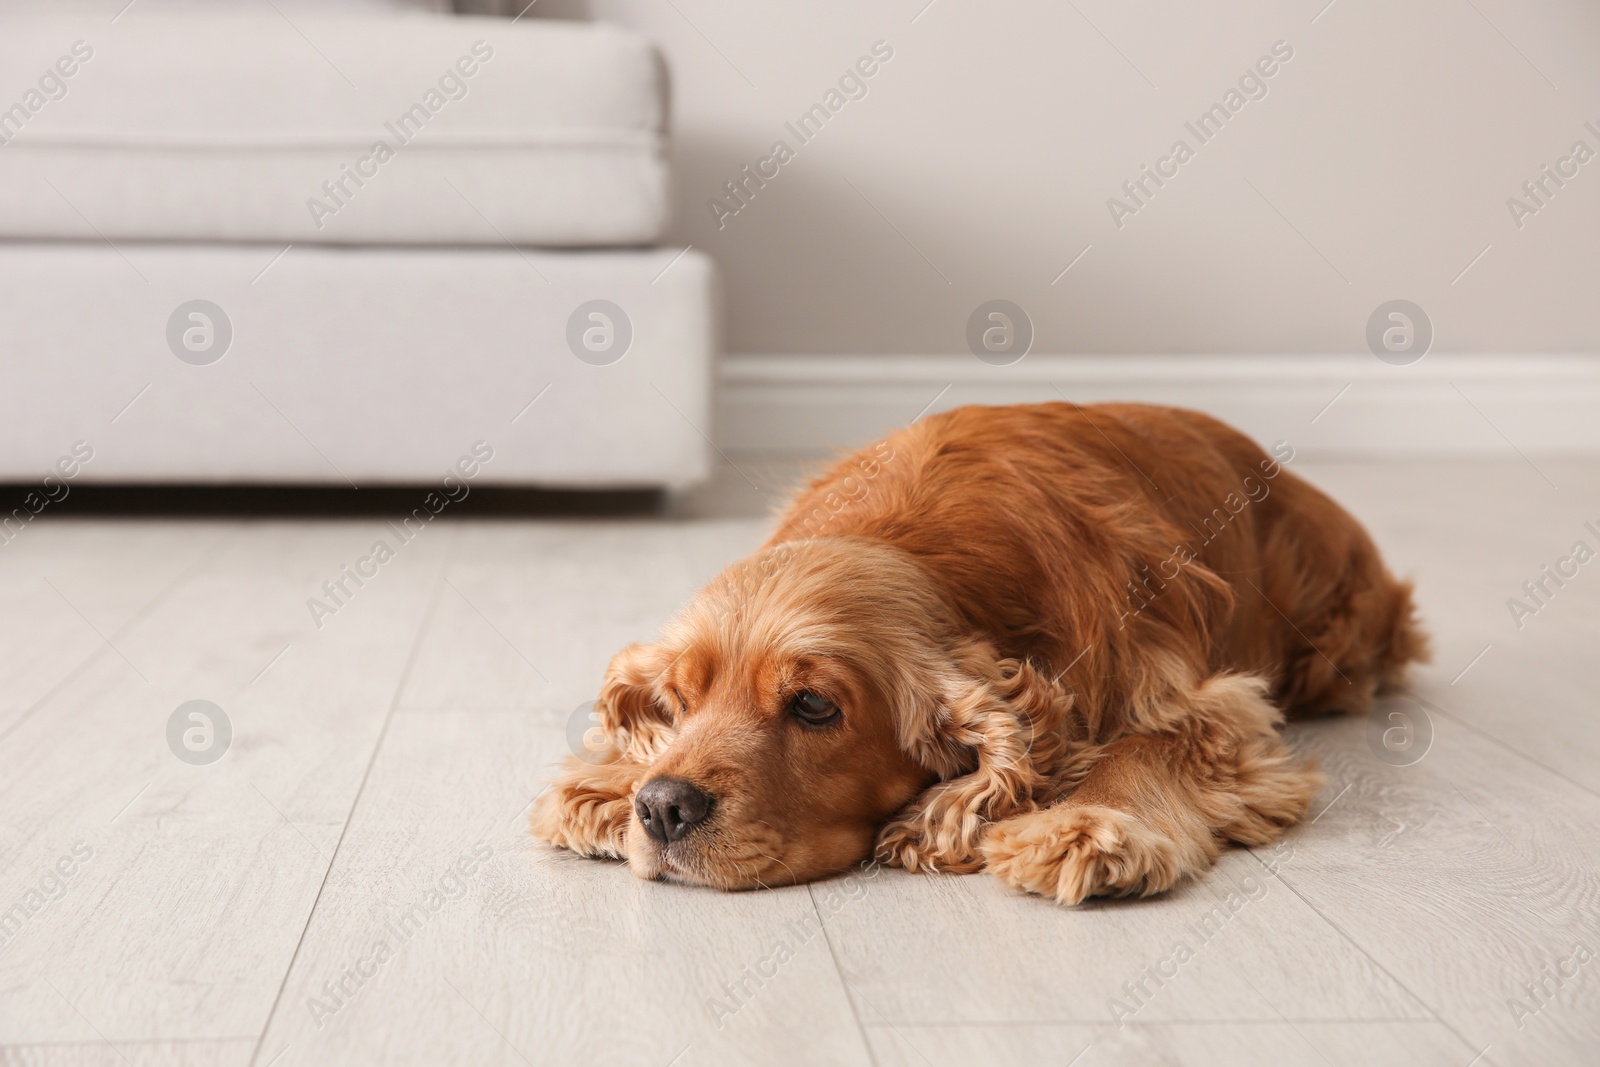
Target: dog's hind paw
1071	853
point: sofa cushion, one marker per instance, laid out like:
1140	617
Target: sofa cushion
289	125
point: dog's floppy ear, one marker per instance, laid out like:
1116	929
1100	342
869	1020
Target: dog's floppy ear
632	714
995	731
589	807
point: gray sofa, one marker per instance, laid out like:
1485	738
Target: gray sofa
340	243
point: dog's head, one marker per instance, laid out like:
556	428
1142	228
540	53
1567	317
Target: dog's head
806	695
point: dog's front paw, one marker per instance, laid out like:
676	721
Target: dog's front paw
932	838
588	809
1073	852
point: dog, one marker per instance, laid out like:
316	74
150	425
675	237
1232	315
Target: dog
1051	641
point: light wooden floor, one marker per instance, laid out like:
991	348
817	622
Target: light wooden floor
374	759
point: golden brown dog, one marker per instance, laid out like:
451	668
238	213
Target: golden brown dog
1051	641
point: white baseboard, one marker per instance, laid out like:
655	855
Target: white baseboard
1444	405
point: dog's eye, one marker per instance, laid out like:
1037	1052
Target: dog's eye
812	708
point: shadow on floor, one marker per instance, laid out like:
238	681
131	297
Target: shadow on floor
313	502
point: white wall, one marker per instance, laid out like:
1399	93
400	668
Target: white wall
992	140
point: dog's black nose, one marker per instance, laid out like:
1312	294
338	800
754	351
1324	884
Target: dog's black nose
670	807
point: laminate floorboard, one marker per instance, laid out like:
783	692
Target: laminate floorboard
384	754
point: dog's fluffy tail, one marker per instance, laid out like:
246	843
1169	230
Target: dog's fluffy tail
1406	643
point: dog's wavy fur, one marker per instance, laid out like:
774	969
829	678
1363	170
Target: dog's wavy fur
1062	640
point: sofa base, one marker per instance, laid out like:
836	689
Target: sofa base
355	366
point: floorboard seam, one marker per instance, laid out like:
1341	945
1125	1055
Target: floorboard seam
1336	928
1493	740
88	661
355	803
844	985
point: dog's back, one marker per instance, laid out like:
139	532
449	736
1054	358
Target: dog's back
1115	538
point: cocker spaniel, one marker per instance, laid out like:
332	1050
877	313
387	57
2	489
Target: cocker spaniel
1050	641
